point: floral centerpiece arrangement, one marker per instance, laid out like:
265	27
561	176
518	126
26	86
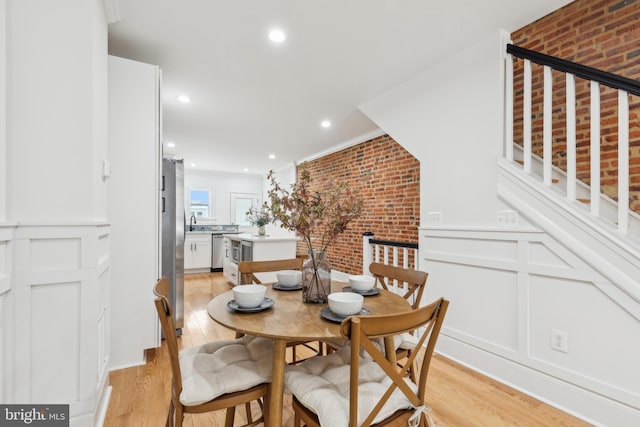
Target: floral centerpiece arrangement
259	217
318	218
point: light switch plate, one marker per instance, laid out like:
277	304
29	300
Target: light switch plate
106	169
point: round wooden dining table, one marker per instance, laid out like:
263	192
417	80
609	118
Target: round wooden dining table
292	320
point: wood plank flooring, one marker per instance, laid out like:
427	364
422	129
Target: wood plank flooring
458	396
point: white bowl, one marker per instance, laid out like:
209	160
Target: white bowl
249	296
289	278
362	283
345	303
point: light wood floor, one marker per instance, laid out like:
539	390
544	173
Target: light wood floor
458	396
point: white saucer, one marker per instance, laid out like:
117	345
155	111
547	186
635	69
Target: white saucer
329	315
280	287
264	305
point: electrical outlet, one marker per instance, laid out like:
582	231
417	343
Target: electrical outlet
507	218
434	218
560	340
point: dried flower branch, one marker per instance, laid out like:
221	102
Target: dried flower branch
313	214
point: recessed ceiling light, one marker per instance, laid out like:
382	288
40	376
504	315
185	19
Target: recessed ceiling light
170	144
277	35
245	170
325	124
193	165
184	98
272	156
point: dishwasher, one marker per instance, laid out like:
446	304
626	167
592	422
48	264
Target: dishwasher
217	252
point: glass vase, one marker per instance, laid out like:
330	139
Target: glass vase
316	278
261	230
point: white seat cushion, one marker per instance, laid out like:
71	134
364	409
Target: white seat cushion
321	383
225	366
405	341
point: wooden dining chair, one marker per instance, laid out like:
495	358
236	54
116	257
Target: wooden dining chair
217	375
247	270
413	282
357	385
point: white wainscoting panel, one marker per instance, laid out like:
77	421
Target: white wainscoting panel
61	282
55	254
598	330
104	322
477	291
494	249
3	264
55	342
508	288
6	314
4	344
539	254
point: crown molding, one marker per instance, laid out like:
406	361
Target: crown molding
112	10
346	144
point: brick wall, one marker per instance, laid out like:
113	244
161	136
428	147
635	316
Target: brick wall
601	34
387	178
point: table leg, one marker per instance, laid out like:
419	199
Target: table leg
276	390
390	350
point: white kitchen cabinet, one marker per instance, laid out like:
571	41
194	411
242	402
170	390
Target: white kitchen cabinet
229	268
197	253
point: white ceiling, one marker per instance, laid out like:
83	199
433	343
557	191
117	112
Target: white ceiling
252	98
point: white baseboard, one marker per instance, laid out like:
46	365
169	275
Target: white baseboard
103	406
583	404
128	365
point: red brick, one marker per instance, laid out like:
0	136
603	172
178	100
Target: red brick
604	35
387	178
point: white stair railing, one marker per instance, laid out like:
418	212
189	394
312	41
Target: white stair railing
389	252
596	77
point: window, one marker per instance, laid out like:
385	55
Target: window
199	203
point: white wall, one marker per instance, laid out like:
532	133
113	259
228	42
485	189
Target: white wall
221	185
285	176
508	287
60	78
54	242
448	117
3	116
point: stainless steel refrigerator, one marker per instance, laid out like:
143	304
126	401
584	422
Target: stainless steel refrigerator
173	225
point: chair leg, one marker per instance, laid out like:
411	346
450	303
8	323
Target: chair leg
247	408
179	416
169	422
265	408
230	416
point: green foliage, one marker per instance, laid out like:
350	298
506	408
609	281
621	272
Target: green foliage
260	216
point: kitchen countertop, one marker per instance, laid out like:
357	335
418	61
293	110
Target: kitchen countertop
256	238
205	232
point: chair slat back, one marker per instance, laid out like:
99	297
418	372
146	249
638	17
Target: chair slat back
415	280
165	314
363	330
248	268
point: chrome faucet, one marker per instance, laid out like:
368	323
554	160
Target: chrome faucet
192	221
